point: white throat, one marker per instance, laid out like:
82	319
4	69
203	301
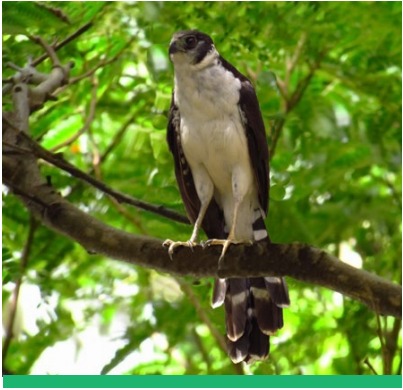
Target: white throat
182	62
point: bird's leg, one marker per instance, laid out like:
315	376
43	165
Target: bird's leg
205	188
231	236
241	183
192	242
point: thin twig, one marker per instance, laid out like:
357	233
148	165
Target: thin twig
115	141
90	72
50	51
370	366
391	339
89	119
58	46
58	13
117	138
96	169
39	151
381	338
290	104
281	86
15	149
290	101
14	300
201	312
59	162
300	89
102	63
292	63
276	129
129	216
202	349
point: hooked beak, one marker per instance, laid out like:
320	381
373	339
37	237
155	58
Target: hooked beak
175	46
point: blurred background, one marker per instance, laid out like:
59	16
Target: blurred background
328	78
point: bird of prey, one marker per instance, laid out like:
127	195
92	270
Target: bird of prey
217	137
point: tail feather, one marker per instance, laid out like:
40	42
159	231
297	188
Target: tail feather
253	307
267	314
252	315
278	290
259	344
238	350
275	320
236	308
219	291
259	228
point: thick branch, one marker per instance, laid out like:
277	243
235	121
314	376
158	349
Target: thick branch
300	261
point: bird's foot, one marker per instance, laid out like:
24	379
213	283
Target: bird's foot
175	244
225	245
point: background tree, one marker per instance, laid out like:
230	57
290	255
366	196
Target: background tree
328	77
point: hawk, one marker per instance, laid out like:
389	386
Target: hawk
217	137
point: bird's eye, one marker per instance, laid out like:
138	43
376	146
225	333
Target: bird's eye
191	42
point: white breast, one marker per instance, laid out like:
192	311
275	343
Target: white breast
211	128
212	132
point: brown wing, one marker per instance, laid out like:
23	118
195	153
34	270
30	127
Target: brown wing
255	133
257	143
213	223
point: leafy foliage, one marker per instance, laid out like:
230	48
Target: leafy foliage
328	77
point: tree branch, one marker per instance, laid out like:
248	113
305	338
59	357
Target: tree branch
102	63
290	102
299	261
59	162
89	118
201	312
58	46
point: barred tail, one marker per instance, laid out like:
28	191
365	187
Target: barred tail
253	309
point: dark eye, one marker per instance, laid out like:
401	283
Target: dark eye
191	42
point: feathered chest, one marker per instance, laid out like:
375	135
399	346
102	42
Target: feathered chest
208	94
211	126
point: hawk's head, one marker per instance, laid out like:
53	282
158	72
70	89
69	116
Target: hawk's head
191	48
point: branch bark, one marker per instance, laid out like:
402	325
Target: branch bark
299	261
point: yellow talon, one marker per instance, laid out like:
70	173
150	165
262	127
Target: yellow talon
174	244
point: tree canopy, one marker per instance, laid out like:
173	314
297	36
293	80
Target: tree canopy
328	79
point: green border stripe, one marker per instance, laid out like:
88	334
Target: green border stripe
201	381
